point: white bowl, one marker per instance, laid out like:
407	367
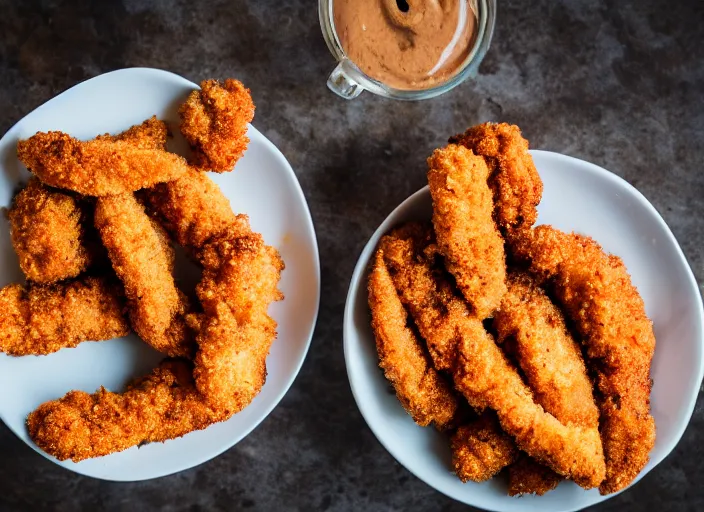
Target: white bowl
263	185
580	197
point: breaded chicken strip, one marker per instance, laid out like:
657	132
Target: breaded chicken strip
192	208
481	449
214	122
41	319
151	134
143	259
98	167
240	279
596	292
164	405
513	177
47	233
533	329
481	371
466	233
526	476
423	392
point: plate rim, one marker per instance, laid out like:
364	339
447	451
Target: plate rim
309	226
361	269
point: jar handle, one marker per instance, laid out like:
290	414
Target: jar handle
342	84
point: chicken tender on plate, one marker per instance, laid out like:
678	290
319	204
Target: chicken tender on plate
526	476
192	208
102	166
480	449
513	177
425	394
41	319
596	291
466	233
214	122
142	258
48	234
240	278
164	405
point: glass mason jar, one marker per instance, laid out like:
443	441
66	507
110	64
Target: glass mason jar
348	81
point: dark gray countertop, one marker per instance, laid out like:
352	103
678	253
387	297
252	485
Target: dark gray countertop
618	83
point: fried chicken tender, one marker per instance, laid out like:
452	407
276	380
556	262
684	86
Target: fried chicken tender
143	259
526	476
423	392
513	177
100	167
240	279
164	405
466	233
596	292
535	332
47	233
42	319
481	371
214	122
192	208
481	449
151	134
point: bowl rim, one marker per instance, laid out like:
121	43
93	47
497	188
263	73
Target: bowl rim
362	268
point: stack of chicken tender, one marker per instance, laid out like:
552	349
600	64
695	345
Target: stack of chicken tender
93	232
530	347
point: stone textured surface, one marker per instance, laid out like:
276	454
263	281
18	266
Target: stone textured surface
618	83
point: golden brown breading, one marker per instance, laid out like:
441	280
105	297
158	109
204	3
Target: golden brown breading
192	208
526	476
466	233
426	395
98	167
48	234
481	371
596	292
480	449
551	360
240	278
214	122
151	134
143	261
513	177
41	319
164	405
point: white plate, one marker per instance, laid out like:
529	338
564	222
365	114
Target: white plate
580	197
263	185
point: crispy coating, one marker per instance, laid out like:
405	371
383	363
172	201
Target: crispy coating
480	449
192	208
424	393
214	122
42	319
596	292
534	330
97	167
143	259
151	134
526	476
164	405
481	371
240	278
513	177
47	233
466	233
